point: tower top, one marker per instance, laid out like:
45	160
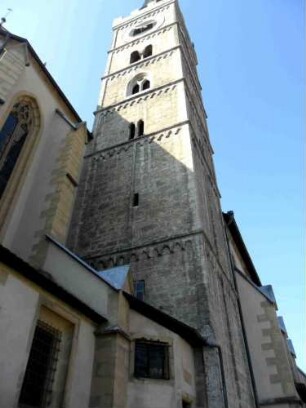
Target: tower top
147	2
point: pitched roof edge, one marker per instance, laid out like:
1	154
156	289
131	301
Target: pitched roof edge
235	232
41	279
44	70
189	334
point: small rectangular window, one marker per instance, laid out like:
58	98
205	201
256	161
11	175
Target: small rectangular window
136	200
39	376
151	360
139	289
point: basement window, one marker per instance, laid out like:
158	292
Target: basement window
151	360
39	376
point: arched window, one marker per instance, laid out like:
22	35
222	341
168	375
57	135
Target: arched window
145	85
138	84
148	51
132	130
135	56
140	128
21	123
135	89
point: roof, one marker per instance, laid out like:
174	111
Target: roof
116	277
192	336
44	281
236	235
14	37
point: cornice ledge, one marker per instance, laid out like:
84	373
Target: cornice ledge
143	38
129	21
140	64
166	132
143	96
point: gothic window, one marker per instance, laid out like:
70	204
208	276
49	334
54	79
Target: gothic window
19	124
139	289
148	51
132	130
151	360
39	376
135	56
140	128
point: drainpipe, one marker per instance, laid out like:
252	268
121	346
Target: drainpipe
231	214
216	346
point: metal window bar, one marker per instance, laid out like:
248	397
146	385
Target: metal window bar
151	360
36	390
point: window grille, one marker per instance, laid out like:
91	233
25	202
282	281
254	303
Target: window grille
151	360
40	372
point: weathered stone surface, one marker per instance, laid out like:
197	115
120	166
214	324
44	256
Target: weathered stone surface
174	237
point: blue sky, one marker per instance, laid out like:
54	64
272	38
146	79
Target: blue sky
251	67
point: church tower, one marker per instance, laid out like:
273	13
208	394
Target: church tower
148	194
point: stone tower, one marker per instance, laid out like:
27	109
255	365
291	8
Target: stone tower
148	194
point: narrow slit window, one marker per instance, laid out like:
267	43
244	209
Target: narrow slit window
136	200
132	129
140	127
139	289
148	51
39	376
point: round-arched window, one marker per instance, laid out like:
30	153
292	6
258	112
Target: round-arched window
138	84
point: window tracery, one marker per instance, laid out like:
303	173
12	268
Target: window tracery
138	84
21	123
